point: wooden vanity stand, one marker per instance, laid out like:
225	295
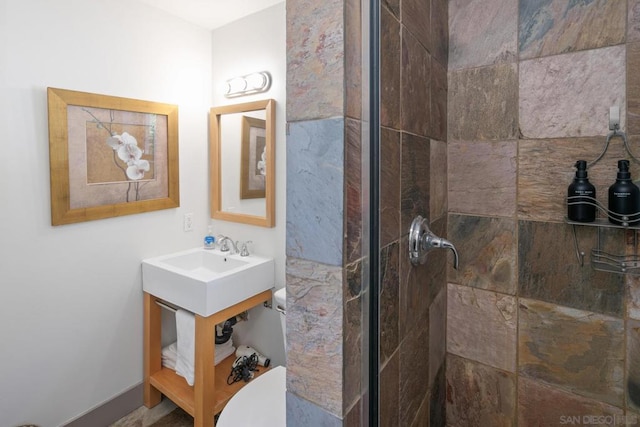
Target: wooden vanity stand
210	393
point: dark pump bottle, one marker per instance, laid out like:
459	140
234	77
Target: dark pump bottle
624	198
581	203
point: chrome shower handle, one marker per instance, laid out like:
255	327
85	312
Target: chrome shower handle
422	240
431	241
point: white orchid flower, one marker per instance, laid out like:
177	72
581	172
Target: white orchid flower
262	163
137	168
129	153
117	141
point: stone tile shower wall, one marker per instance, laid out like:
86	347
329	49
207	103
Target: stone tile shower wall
533	338
414	37
324	211
324	329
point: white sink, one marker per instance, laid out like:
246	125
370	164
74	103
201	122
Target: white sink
205	281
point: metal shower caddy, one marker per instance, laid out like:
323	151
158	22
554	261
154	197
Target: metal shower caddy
600	259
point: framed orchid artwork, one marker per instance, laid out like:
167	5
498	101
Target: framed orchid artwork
110	156
253	165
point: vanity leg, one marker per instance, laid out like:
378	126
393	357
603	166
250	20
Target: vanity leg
152	349
204	378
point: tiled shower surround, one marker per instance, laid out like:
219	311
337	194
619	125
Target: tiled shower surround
324	329
324	211
501	97
533	338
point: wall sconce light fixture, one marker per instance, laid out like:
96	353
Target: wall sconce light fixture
248	85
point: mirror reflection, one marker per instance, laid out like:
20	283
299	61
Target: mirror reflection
243	166
243	163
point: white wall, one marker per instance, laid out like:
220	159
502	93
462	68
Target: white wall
258	43
71	296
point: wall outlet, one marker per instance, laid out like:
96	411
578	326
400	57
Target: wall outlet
188	222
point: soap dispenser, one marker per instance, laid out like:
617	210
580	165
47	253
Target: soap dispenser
581	202
209	239
624	198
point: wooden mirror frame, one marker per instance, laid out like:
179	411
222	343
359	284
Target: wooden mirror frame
215	148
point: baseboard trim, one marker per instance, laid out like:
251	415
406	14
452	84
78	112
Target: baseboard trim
111	411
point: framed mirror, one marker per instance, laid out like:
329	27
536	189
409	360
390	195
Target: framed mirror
242	147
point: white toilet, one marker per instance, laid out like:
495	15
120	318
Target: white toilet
261	403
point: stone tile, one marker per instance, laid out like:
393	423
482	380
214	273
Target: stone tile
389	186
542	195
389	300
542	405
315	333
633	21
439	92
576	350
482	32
177	418
393	6
353	58
438	399
352	347
482	177
315	165
438	180
549	269
390	392
301	412
556	101
633	296
633	88
481	326
415	86
437	335
558	26
437	262
632	387
143	416
315	83
478	395
422	416
414	293
354	185
353	285
631	418
415	13
415	179
439	46
390	49
414	363
488	252
419	285
484	102
354	416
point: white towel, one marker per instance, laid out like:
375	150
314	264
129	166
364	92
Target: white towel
186	349
223	351
170	354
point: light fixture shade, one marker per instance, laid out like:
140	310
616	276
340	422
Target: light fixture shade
248	84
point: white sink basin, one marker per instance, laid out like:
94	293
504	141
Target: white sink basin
205	281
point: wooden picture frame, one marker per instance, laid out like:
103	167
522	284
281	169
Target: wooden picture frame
110	156
253	159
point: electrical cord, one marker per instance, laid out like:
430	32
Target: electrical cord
243	368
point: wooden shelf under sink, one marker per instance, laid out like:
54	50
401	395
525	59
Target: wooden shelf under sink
210	392
182	394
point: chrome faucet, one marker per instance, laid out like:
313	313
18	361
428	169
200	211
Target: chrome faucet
224	244
245	250
431	241
422	240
